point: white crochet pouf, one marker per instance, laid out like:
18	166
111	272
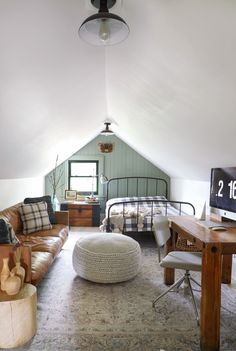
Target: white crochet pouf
106	257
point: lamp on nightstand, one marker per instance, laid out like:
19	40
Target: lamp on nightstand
103	179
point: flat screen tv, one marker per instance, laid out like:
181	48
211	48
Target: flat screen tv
223	192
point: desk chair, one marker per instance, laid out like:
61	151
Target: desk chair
188	261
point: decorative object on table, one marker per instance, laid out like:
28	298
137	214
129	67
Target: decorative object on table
203	213
105	147
80	197
17	252
18	270
13	284
103	28
5	273
55	181
91	198
70	194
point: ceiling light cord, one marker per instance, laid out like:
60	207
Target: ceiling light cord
103	6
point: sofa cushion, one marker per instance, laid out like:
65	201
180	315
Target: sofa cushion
34	217
47	199
40	263
50	244
58	230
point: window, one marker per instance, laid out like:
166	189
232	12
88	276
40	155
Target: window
83	176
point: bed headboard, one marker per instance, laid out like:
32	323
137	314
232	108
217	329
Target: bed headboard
136	186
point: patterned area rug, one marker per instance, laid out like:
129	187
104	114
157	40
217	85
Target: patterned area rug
75	314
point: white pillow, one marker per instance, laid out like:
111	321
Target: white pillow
34	217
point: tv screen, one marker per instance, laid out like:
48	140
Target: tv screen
223	188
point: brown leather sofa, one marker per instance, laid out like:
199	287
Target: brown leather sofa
39	248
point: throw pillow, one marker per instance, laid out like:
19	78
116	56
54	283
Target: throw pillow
47	199
4	233
7	234
13	238
34	217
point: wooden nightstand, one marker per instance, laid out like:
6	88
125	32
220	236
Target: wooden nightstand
82	214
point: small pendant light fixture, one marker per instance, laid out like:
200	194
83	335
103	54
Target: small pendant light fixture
107	131
103	28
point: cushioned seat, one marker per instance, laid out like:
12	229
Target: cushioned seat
183	260
106	257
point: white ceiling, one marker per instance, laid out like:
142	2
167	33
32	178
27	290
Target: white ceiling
169	88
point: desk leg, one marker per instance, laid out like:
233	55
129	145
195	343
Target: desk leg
211	298
226	269
169	273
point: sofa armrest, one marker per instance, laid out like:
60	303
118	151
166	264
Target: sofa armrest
6	250
62	217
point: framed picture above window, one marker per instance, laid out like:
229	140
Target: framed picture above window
83	176
70	194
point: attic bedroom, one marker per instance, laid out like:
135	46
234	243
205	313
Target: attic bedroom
165	87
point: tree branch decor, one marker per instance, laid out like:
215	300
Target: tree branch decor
55	178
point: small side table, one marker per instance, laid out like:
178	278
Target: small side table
18	317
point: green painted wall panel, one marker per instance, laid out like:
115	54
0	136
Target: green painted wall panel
123	161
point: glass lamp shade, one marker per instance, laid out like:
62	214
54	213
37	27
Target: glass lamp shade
104	28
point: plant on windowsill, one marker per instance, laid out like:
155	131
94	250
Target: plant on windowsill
55	181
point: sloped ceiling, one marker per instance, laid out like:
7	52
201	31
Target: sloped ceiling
169	89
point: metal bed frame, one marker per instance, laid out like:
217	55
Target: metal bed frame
114	186
163	203
116	183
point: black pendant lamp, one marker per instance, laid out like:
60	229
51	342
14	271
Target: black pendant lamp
107	131
103	28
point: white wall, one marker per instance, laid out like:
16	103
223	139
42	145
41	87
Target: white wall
196	192
13	191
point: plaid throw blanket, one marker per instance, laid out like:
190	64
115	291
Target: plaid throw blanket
136	216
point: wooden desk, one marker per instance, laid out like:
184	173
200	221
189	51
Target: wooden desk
217	249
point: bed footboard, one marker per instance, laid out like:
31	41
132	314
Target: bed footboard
137	215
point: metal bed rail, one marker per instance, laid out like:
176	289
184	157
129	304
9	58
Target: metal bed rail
157	203
114	185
